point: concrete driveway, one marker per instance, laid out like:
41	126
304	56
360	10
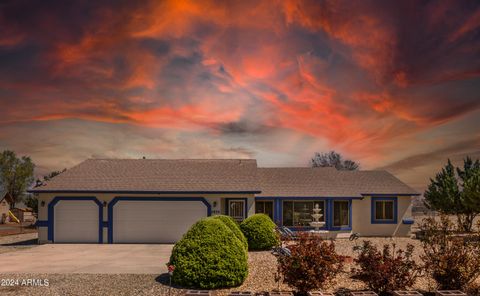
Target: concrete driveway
93	259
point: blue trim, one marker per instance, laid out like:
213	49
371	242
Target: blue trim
41	223
143	192
389	194
306	197
395	210
51	213
408	221
116	199
338	228
245	202
278	210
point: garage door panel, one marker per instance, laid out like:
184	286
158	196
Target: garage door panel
154	221
76	221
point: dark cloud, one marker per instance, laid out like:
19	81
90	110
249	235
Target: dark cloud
351	76
455	151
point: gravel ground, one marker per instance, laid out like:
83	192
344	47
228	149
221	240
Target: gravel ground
262	269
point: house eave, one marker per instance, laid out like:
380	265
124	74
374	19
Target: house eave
144	191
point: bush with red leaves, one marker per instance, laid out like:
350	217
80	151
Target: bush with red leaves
313	264
387	270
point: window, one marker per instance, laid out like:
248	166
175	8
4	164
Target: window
384	210
299	213
264	207
341	213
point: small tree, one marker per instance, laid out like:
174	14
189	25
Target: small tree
312	265
32	202
388	270
456	192
333	159
16	174
452	261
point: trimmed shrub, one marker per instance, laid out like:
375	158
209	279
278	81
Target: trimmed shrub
312	265
452	261
209	256
259	230
234	227
387	270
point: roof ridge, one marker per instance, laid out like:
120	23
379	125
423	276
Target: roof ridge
171	159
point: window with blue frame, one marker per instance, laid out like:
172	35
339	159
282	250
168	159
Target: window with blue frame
384	210
341	213
299	213
264	207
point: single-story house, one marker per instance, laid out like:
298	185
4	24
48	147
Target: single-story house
157	200
5	203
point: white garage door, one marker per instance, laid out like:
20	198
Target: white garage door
154	221
76	221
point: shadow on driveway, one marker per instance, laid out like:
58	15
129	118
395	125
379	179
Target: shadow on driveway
29	242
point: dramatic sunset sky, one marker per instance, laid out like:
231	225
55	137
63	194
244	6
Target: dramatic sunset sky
391	84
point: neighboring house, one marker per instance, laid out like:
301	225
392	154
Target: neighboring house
156	201
5	201
24	214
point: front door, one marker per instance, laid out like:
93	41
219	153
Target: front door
236	209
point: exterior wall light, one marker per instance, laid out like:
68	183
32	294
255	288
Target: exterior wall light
104	204
42	203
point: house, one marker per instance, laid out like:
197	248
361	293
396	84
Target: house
5	201
156	201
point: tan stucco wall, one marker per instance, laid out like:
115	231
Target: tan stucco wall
4	207
361	212
211	199
361	218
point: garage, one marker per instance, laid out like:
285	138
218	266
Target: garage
154	220
76	221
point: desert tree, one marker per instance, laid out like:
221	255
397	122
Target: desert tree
456	191
333	159
16	174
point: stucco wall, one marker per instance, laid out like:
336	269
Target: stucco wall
216	202
4	207
362	218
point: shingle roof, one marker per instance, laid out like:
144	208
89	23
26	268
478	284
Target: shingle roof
328	182
220	175
157	175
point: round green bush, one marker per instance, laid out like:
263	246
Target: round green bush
234	227
209	256
259	230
